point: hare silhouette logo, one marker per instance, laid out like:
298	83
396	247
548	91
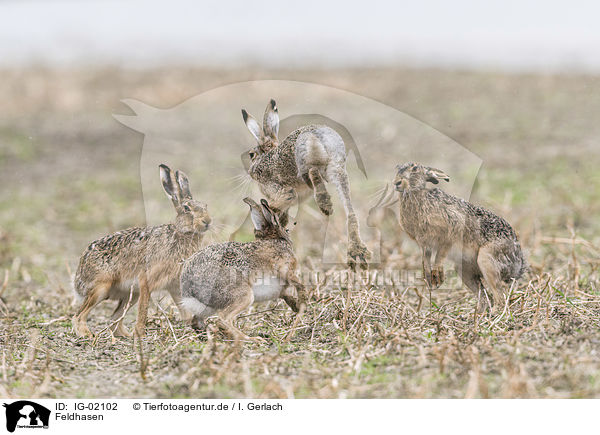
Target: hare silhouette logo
24	414
206	136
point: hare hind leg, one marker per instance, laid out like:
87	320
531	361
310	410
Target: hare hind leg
96	295
228	314
199	320
322	197
357	250
119	330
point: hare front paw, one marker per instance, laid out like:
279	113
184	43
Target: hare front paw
323	200
437	276
358	254
292	302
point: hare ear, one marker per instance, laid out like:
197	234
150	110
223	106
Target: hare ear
269	215
253	126
258	220
271	120
168	185
435	175
184	185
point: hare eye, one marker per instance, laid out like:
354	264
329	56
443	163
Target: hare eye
252	155
186	208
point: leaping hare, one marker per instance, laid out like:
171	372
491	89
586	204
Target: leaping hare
305	159
485	247
151	255
227	278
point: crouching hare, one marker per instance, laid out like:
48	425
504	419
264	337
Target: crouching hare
305	159
152	255
484	246
226	278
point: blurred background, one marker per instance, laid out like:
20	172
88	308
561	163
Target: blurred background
515	84
510	35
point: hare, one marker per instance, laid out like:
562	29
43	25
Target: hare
153	256
485	247
225	279
305	159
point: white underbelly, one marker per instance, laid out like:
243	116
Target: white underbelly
266	289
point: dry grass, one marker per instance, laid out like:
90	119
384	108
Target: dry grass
363	342
357	340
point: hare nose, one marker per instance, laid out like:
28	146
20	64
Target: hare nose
207	220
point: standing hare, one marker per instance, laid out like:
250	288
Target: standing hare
305	159
484	246
227	278
151	255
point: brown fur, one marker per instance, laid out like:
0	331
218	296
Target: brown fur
307	158
221	279
152	256
490	253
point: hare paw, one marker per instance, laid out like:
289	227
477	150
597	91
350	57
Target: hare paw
437	276
358	254
292	303
324	202
81	329
121	331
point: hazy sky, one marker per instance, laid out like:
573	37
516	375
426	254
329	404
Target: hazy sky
457	33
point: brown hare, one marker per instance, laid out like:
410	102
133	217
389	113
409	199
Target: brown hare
226	278
152	256
306	159
484	246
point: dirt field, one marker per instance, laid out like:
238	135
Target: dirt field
70	173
